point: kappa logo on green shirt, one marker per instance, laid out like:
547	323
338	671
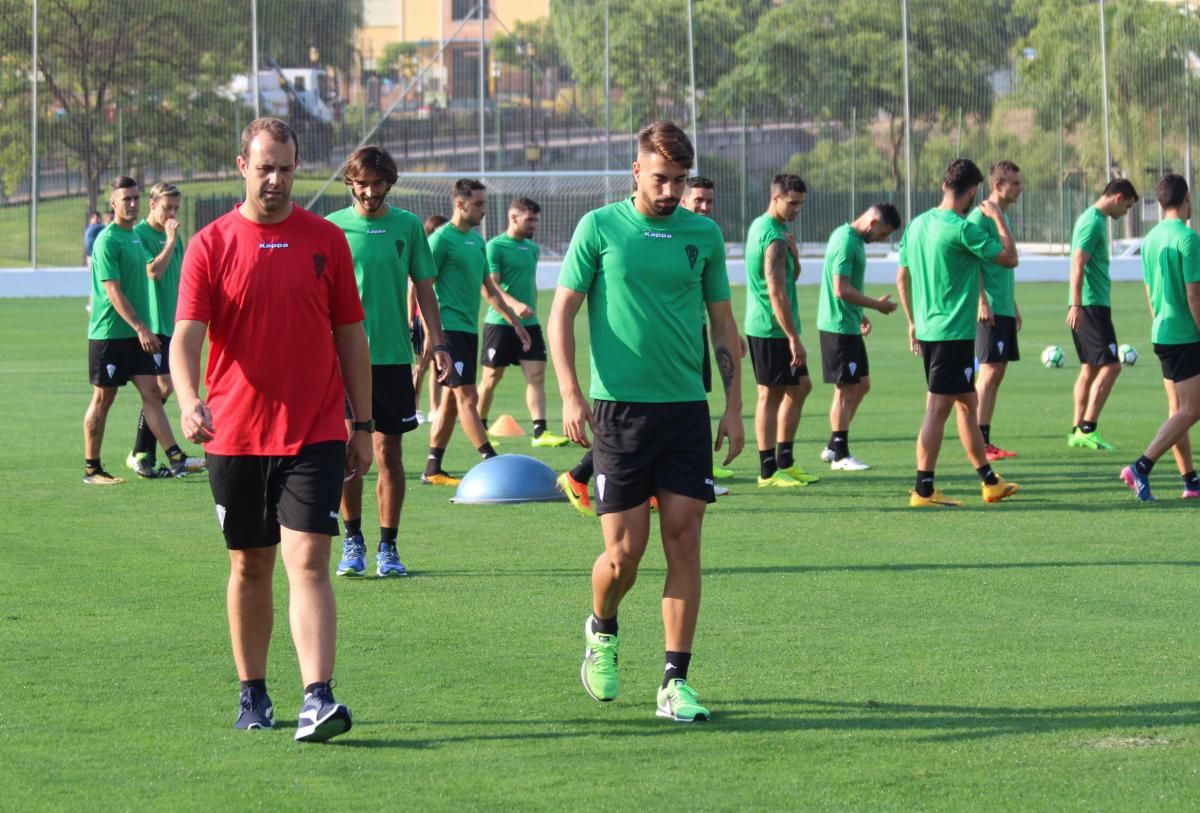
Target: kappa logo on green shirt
399	248
693	254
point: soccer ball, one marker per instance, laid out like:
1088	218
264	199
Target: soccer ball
1127	355
1053	356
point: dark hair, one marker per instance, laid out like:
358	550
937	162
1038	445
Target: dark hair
370	159
1000	169
121	182
666	138
280	132
464	188
700	182
525	205
435	222
961	175
1121	187
785	182
1171	191
887	213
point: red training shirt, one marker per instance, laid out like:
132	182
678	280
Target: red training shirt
271	296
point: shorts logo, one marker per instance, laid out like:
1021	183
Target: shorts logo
852	367
693	254
968	372
158	359
1000	347
112	369
333	514
399	248
458	367
319	264
601	481
221	516
1112	348
491	353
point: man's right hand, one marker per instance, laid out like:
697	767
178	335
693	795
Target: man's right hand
577	417
197	423
172	228
913	344
148	340
886	305
799	354
522	310
1073	317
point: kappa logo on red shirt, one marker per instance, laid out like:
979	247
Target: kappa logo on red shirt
319	264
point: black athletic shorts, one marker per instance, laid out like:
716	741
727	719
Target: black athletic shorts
112	362
393	400
464	349
640	448
417	331
257	494
502	348
997	344
949	366
843	358
1096	338
706	361
1179	361
162	359
772	360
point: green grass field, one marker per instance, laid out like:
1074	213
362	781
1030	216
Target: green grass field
1038	654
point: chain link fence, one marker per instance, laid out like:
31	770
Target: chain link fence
866	99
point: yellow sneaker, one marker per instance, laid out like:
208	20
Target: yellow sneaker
439	479
1002	490
936	500
549	440
722	473
780	479
797	473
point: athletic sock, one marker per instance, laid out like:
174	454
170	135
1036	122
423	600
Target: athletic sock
312	687
676	667
839	444
257	683
583	472
986	429
604	626
766	463
486	451
1087	427
387	536
924	487
433	463
353	527
1143	465
987	475
784	454
175	454
1191	481
144	441
539	428
91	465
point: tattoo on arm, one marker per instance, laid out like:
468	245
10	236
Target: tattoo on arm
725	366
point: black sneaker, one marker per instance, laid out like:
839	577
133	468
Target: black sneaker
256	710
321	717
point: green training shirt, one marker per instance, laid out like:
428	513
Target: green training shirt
942	251
646	280
164	291
118	254
1170	260
1091	235
999	283
760	318
387	251
461	262
514	265
845	256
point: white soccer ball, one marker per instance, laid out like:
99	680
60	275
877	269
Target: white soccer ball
1053	356
1127	355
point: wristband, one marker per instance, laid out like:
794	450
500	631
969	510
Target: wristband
445	348
363	426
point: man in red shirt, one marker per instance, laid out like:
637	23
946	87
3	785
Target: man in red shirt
273	286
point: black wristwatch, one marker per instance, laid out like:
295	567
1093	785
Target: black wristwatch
363	426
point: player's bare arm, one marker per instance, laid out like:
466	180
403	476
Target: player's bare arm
775	271
726	350
845	291
1007	258
495	298
985	314
158	266
1193	299
904	289
195	418
354	357
435	340
122	306
1079	260
560	329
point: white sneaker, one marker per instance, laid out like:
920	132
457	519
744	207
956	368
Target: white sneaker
850	463
827	455
420	417
720	491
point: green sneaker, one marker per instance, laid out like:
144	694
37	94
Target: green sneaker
599	670
1088	440
549	440
679	702
722	473
780	480
797	473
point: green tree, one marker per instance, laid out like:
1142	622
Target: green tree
293	32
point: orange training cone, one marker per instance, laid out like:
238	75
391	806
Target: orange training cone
506	427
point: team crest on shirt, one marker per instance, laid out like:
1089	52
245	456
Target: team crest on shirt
693	254
399	248
319	264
